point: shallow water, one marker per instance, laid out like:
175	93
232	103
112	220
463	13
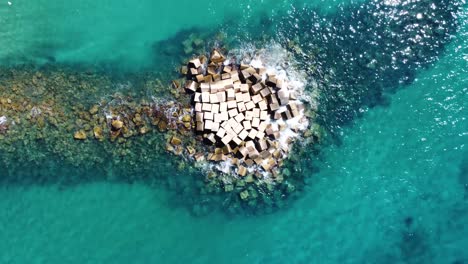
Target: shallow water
392	189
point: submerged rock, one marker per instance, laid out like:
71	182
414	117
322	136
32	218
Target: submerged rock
117	124
80	135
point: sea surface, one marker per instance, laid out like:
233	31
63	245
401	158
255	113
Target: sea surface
392	187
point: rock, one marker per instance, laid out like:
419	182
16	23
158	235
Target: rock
143	130
169	148
249	178
117	124
162	125
97	130
186	118
228	188
93	110
176	141
244	195
80	135
190	150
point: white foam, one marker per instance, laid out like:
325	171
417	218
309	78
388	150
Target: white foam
3	120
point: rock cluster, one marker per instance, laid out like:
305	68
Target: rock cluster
237	108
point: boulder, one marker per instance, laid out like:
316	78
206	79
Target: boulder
80	135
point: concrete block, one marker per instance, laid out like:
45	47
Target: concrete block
265	92
260	135
244	88
241	107
272	98
208	116
205	96
248	115
200	78
211	138
199	116
243	134
237	87
224	116
243	151
213	99
256	112
271	81
216	77
249	105
214	88
283	96
233	112
227	69
230	131
246	97
247	124
279	84
274	107
231	104
230	94
215	108
232	122
250	145
240	117
195	63
287	115
278	115
222	107
239	97
261	145
255	122
253	133
193	71
206	107
207	78
257	98
215	127
263	105
265	154
191	86
255	77
255	89
221	132
262	126
198	107
234	76
237	129
217	118
197	97
208	124
226	139
237	141
200	126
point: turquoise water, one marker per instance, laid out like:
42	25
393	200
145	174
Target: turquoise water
392	188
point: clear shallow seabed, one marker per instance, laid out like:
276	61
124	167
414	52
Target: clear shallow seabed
394	191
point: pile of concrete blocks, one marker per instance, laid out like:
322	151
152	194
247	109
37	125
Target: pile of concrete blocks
235	106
